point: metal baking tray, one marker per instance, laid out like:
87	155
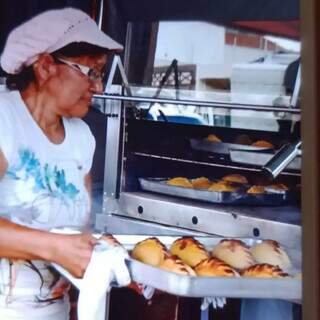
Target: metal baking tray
191	286
221	147
239	197
259	158
287	288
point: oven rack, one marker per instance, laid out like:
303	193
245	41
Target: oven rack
183	160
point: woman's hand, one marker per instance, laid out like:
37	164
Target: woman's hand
73	252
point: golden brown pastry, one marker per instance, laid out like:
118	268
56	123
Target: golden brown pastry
270	251
237	178
150	251
214	267
176	265
180	182
256	190
264	270
235	253
263	144
201	183
222	186
213	138
189	250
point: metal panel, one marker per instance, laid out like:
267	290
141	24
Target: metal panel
116	224
279	223
113	154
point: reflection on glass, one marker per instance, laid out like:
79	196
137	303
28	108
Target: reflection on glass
201	61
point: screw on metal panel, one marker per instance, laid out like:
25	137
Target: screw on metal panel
140	209
194	220
256	232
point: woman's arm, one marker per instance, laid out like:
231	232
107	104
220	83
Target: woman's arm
72	252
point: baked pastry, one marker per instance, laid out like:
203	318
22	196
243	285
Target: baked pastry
235	253
189	250
213	138
270	251
201	183
176	265
264	270
150	251
222	186
214	267
256	190
263	144
180	182
236	178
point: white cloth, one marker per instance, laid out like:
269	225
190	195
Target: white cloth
217	302
48	32
43	188
107	267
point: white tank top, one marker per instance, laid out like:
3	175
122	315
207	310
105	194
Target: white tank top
43	188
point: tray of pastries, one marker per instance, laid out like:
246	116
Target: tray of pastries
212	266
230	189
214	144
209	266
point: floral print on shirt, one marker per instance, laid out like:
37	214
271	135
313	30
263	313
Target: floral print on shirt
44	178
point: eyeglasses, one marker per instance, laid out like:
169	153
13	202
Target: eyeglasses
91	73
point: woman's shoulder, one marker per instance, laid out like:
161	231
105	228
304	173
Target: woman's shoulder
9	101
78	125
80	130
9	96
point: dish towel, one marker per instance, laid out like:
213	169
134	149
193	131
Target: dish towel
106	268
217	302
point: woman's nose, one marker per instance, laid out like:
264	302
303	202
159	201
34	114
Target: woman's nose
96	86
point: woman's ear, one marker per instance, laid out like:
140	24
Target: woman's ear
44	68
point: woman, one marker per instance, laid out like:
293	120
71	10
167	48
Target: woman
54	62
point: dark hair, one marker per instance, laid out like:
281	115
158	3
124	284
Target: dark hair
21	80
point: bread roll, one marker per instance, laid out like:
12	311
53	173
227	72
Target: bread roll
201	183
256	190
270	251
237	178
213	138
222	186
263	144
214	267
264	270
176	265
149	251
235	253
189	250
180	182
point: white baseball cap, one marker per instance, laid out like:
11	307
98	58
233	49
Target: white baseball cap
48	32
